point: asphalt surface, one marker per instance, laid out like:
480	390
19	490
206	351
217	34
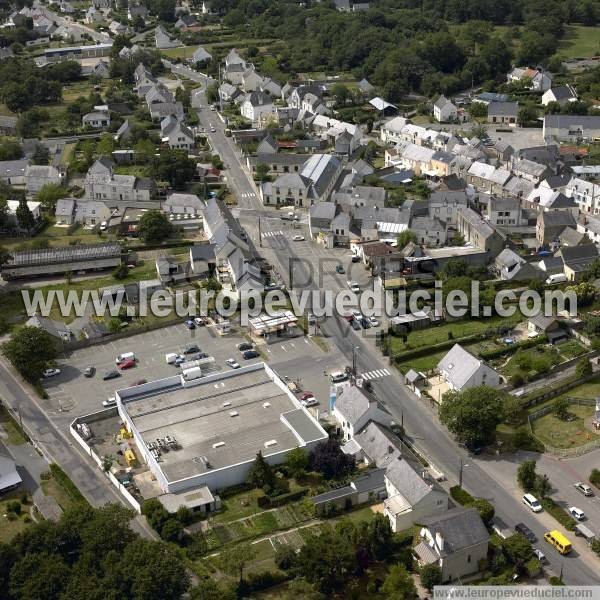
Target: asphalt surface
420	420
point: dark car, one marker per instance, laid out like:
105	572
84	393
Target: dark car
250	354
245	346
365	323
140	382
190	324
525	531
111	375
355	324
199	356
89	371
355	258
191	348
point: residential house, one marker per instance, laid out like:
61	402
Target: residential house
429	231
256	106
391	131
360	195
186	23
320	218
529	170
99	69
101	183
163	40
445	205
487	178
57	329
137	10
571	128
124	132
456	541
504	212
577	259
64	211
37	176
511	267
296	98
550	225
97	119
251	80
561	94
444	111
9	476
461	370
13	171
489	97
91	213
176	134
233	58
585	172
281	162
353	409
537	80
504	152
585	194
479	233
93	15
503	113
200	56
548	326
228	92
589	225
179	203
8	125
117	28
546	199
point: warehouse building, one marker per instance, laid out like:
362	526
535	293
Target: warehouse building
206	432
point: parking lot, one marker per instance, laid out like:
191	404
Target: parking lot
71	394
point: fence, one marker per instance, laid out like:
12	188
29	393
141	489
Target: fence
543	394
90	452
564	452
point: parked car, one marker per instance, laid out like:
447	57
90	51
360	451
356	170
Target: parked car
298	238
577	513
89	371
190	324
200	321
365	323
112	401
524	530
355	325
539	555
340	269
355	258
111	375
353	286
179	360
140	382
532	502
232	363
245	346
374	322
50	372
312	401
190	348
127	364
584	488
248	354
306	395
199	356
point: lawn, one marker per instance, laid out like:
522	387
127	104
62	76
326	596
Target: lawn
579	42
14	436
565	434
238	506
532	362
13	524
180	52
571	349
52	487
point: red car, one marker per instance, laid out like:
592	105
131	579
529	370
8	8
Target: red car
140	382
305	395
127	364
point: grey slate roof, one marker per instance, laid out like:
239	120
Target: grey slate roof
504	109
460	366
353	404
64	207
407	481
322	210
379	444
460	528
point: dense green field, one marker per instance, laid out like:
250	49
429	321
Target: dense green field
579	42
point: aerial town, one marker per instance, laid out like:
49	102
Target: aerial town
298	299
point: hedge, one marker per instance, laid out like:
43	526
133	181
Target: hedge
560	514
461	496
276	501
69	487
434	348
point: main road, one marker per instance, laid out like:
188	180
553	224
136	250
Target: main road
420	421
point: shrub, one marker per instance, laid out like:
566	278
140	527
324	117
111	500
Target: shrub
14	506
11	516
285	557
554	580
485	509
561	515
26	519
533	567
24	498
461	496
67	485
275	501
595	477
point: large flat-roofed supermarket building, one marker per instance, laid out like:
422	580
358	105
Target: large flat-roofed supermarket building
218	423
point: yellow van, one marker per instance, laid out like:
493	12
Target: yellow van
559	541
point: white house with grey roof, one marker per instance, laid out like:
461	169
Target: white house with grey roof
101	183
443	110
561	94
37	176
13	171
256	107
461	370
571	128
353	409
456	540
503	113
176	134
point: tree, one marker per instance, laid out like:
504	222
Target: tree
106	145
172	530
485	509
478	110
10	150
341	93
328	458
261	475
121	272
262	172
38	576
561	409
41	155
30	350
25	217
405	237
472	415
527	114
517	549
234	560
154	226
542	485
209	589
50	193
300	588
526	475
431	575
583	368
379	537
5	256
297	462
399	585
175	167
212	93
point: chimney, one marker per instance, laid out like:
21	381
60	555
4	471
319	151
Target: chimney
439	541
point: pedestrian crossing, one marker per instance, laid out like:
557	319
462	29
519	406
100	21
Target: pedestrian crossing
272	233
375	374
248	195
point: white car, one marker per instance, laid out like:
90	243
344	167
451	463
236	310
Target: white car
354	286
533	503
374	322
51	372
298	238
357	314
212	129
112	401
577	513
312	401
233	363
584	488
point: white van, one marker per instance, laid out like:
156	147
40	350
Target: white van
124	356
338	377
531	501
556	278
171	357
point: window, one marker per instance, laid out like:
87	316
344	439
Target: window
468	558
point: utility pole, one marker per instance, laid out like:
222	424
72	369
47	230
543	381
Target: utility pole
259	234
291	274
354	363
